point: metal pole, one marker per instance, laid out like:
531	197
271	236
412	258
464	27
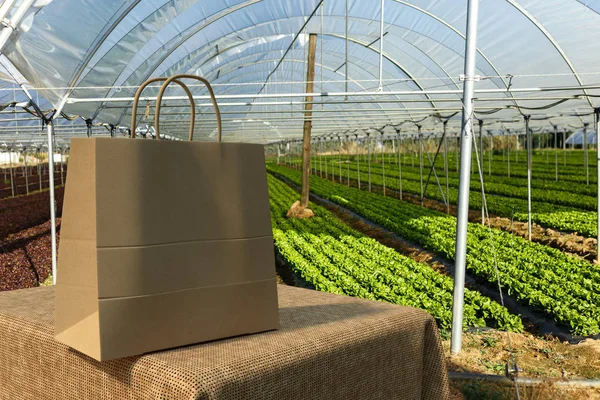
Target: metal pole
597	117
52	201
529	145
413	152
318	161
508	130
420	161
39	169
565	147
62	179
381	27
546	146
585	154
556	151
457	150
369	159
399	164
481	166
358	159
340	158
348	153
11	25
465	179
490	152
326	159
346	62
517	149
12	184
383	162
445	123
26	173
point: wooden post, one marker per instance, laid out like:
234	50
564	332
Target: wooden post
310	83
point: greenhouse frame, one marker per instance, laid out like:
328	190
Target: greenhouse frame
410	76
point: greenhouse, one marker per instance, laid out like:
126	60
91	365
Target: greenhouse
439	155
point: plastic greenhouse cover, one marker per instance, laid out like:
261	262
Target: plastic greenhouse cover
577	138
78	49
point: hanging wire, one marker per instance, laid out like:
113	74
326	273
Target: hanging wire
492	243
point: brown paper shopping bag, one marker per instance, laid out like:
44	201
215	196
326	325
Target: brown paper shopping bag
163	244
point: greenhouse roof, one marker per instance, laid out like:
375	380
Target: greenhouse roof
87	58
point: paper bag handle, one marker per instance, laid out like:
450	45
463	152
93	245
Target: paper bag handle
136	100
175	78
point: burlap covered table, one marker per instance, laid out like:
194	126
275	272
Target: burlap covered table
328	347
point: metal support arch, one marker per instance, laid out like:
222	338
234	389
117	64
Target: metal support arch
529	156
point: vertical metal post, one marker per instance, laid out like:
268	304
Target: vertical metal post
52	202
312	158
509	140
465	179
369	158
481	167
381	27
26	173
457	155
358	159
320	148
420	140
340	158
39	168
556	151
597	121
565	147
585	154
346	62
412	152
383	162
400	163
348	153
490	151
326	159
62	162
12	182
546	146
445	124
529	145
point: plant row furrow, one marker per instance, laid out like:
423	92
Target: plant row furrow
544	278
335	258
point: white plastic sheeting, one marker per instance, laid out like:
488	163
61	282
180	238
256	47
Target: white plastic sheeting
81	49
578	137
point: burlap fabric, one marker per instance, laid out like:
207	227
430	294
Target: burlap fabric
328	347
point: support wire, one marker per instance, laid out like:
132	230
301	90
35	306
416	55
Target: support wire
512	370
